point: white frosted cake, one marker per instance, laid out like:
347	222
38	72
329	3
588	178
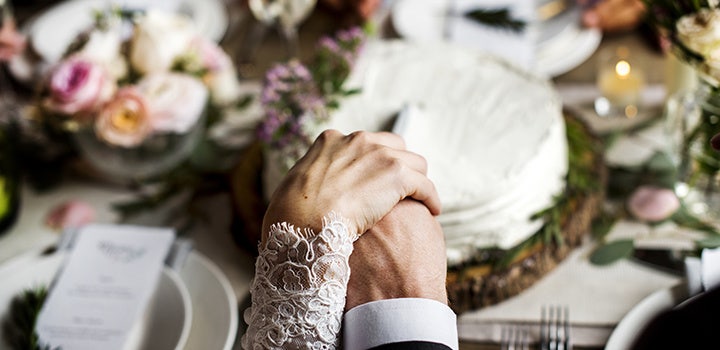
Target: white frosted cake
493	136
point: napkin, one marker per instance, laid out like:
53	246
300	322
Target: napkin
598	298
516	47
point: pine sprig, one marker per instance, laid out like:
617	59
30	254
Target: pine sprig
19	325
498	18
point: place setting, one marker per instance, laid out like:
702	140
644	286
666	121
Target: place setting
576	169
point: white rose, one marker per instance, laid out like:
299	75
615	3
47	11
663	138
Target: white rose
700	32
175	101
221	76
711	67
224	86
103	47
158	39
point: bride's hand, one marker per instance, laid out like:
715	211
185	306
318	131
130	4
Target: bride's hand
361	177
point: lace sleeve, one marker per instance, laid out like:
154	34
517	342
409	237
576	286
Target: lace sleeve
298	294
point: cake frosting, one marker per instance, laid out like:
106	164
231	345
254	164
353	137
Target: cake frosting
493	135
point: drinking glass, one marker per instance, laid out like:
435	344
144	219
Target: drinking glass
286	15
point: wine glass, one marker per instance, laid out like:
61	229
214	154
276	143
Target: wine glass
286	14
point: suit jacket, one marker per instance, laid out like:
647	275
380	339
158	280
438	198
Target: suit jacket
412	345
692	325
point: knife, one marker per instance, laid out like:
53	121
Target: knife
667	260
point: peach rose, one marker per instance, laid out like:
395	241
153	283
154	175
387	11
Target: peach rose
125	120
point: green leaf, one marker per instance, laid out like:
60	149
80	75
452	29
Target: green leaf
351	92
685	218
612	252
499	18
602	226
710	242
661	162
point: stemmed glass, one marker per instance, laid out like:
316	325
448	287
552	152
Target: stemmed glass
286	14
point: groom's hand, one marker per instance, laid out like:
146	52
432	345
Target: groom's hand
402	256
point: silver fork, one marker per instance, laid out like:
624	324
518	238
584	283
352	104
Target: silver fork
555	328
515	337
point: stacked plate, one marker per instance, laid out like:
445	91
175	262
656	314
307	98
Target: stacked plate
557	40
194	308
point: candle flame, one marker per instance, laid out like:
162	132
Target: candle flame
622	68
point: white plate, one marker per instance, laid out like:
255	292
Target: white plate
630	326
166	325
423	21
214	318
53	30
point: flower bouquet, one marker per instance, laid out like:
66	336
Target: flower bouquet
136	91
693	29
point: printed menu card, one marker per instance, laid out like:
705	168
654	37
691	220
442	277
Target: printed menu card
104	287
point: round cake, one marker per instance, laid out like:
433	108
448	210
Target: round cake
493	135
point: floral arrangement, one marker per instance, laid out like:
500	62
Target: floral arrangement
297	98
133	75
693	28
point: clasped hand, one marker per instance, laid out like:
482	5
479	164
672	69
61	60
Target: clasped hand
361	177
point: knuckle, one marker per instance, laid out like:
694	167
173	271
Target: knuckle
361	137
328	135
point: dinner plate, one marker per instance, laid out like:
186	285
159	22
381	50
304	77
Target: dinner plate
53	30
639	316
215	308
561	43
214	317
165	325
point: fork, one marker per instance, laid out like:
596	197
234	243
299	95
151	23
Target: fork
555	328
515	337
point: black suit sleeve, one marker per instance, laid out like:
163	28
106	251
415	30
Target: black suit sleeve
412	345
693	325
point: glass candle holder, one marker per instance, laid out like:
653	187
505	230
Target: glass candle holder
621	81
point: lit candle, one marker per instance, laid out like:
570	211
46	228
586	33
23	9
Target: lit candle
621	84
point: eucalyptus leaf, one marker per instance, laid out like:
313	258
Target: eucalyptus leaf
685	218
709	243
612	252
498	18
602	226
660	161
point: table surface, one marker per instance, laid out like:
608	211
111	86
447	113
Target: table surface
213	238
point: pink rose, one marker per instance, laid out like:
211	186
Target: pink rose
71	214
212	57
78	85
221	77
175	101
125	120
649	203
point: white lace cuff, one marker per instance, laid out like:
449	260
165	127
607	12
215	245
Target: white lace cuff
298	294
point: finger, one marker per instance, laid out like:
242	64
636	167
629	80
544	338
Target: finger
420	188
412	160
387	139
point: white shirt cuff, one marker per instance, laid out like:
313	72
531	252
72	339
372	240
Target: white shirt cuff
399	320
